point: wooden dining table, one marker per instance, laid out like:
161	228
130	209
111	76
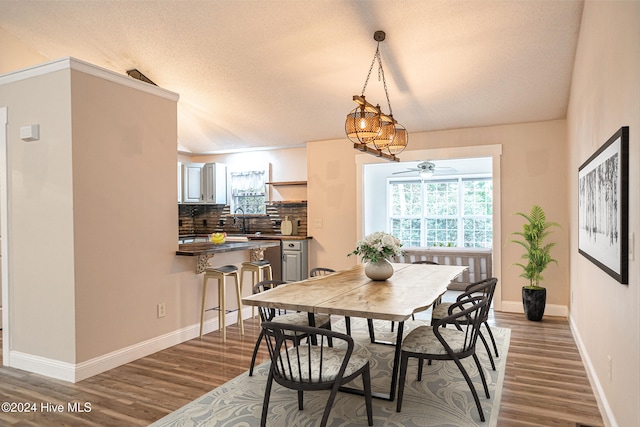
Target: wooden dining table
412	288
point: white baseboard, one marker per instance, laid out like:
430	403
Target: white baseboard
77	372
603	404
550	309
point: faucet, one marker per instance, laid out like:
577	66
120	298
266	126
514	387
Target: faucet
243	228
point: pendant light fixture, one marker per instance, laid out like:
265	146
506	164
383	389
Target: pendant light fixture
370	129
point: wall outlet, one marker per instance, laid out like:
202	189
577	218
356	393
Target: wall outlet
161	310
610	367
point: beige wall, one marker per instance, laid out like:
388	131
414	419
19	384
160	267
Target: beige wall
125	226
533	170
605	96
40	210
93	223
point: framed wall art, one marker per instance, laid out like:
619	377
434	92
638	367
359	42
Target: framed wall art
603	206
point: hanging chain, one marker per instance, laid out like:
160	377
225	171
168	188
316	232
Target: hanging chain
376	56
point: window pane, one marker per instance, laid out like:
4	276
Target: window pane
441	232
405	199
452	212
441	198
408	231
478	232
478	197
248	191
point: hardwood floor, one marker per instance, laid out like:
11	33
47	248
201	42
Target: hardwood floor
545	381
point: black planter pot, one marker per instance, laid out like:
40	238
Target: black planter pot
534	301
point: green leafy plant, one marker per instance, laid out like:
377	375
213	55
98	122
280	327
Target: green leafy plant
538	252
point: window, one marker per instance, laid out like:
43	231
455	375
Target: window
442	212
248	190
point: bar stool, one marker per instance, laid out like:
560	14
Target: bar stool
221	274
260	270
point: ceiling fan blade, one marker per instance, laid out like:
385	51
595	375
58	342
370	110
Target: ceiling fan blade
407	171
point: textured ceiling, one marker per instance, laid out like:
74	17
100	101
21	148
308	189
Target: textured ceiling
266	73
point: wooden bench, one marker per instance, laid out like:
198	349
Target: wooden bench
478	260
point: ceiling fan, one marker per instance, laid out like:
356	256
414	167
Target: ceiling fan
427	169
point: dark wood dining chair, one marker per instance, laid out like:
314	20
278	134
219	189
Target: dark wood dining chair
485	287
270	314
323	271
437	342
308	367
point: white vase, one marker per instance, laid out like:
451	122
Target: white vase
379	270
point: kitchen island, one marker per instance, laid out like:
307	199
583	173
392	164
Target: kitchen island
204	251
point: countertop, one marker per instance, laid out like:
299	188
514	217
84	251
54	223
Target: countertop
196	249
254	236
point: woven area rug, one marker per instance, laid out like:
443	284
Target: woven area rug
442	398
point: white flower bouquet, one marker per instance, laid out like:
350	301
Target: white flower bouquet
377	246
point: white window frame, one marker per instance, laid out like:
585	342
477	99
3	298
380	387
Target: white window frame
264	168
423	217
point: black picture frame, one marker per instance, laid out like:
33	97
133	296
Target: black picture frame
603	207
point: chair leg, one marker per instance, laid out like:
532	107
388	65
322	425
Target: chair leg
493	340
404	361
347	324
265	403
366	386
204	300
329	405
239	297
222	313
471	387
255	352
486	346
300	400
482	377
420	365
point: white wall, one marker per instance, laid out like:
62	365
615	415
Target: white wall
605	96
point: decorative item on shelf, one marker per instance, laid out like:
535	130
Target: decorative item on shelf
218	238
537	256
375	249
371	130
286	227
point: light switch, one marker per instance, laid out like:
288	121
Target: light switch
30	133
318	223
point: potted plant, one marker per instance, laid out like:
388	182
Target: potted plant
536	258
375	249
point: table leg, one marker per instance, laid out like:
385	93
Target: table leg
312	323
396	362
394	372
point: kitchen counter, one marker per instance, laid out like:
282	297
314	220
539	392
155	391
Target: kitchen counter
275	237
206	250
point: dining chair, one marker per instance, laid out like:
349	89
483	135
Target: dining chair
270	314
437	342
308	367
324	271
485	287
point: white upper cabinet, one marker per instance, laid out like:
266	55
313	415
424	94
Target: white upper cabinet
192	183
215	183
204	183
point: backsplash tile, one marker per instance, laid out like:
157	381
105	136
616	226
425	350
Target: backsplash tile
207	219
